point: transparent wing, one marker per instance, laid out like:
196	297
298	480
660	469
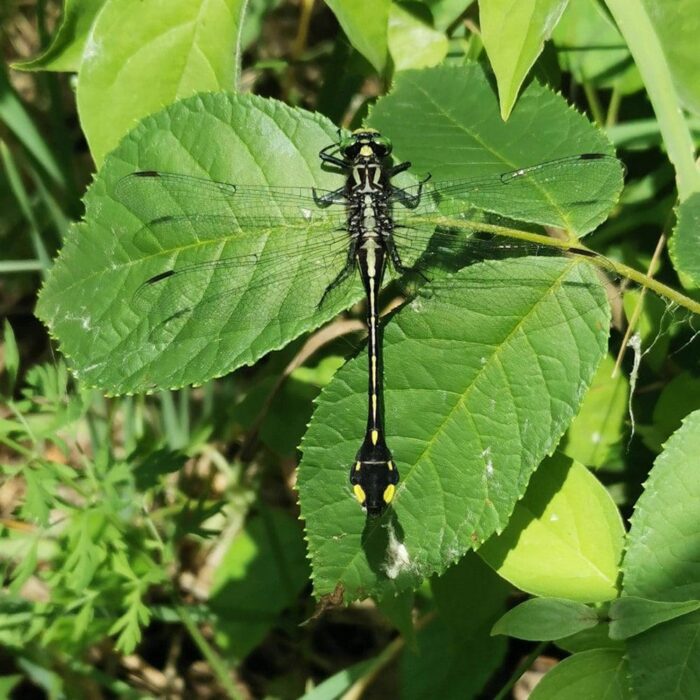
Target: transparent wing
283	272
425	247
220	256
575	193
153	195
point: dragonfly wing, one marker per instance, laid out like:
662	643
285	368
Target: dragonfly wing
233	279
423	245
574	193
153	195
177	233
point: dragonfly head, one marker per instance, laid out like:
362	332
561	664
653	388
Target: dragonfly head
364	145
374	477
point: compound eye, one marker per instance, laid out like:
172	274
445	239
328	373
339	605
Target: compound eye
382	146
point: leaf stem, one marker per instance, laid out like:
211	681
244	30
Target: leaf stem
581	251
594	103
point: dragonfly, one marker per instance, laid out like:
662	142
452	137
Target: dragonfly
284	237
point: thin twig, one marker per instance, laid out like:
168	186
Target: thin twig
640	305
388	654
520	670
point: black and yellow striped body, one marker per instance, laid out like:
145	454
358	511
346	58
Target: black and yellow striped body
368	195
374	475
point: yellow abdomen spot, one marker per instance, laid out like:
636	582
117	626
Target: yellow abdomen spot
389	493
359	493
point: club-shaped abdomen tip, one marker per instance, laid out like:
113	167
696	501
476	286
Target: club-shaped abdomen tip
374	484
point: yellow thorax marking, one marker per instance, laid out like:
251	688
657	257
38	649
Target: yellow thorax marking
358	466
390	464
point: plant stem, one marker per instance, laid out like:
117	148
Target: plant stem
594	103
517	674
579	250
217	664
634	318
388	654
638	31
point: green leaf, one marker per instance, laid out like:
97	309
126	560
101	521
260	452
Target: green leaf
474	401
684	245
635	23
18	121
143	55
679	397
260	575
93	285
10	359
591	48
664	662
599	673
631	616
39	495
542	619
149	471
413	43
365	24
564	538
399	611
661	558
7	684
335	686
470	597
66	49
455	654
514	34
678	25
598	428
445	12
446	122
597	637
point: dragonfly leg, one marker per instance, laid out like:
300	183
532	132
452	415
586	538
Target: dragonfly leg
399	168
334	197
347	270
326	157
396	259
409	200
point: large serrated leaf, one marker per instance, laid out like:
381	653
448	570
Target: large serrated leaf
683	246
664	661
90	300
481	381
661	562
446	122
